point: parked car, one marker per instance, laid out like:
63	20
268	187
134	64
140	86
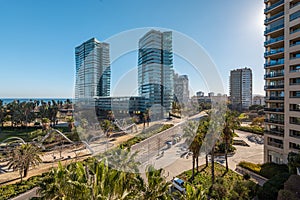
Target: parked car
178	184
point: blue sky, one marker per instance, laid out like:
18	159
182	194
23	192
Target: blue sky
38	37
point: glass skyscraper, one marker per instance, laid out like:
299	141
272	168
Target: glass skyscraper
92	69
155	69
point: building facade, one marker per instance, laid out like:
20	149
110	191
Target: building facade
181	89
93	72
282	79
258	100
155	71
241	88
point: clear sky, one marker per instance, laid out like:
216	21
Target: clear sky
38	37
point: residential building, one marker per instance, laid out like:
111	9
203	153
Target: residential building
92	69
282	79
258	100
155	71
241	88
200	94
181	89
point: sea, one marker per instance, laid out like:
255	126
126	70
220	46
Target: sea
9	100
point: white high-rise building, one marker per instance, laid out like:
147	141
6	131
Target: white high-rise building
241	88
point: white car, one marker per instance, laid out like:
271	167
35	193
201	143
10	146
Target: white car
178	184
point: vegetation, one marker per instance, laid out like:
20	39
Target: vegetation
90	180
271	188
144	135
22	157
228	185
267	170
12	190
252	129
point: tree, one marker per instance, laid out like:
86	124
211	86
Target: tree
3	113
22	157
230	123
293	162
195	193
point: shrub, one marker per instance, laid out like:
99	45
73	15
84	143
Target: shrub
272	186
250	166
269	170
254	129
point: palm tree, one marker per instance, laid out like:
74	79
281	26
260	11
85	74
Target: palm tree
156	186
230	123
22	157
193	193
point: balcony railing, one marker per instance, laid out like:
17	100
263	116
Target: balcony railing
294	5
275	132
275	98
295	109
274	109
273	40
269	30
275	121
274	144
295	96
274	17
274	87
274	51
295	83
275	62
268	8
273	75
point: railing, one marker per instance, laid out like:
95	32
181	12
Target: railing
275	132
274	98
274	109
275	62
294	5
274	17
269	30
273	40
295	109
274	144
294	31
268	8
296	83
294	16
275	121
274	86
295	96
272	75
274	51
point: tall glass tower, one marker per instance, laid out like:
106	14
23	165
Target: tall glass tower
92	69
155	69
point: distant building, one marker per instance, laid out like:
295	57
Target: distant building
211	94
200	94
120	107
93	72
241	88
155	71
258	100
181	88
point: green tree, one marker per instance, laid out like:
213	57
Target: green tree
230	123
22	157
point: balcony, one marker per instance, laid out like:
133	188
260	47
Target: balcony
274	87
274	40
274	51
275	98
274	62
268	8
276	132
294	5
277	145
274	121
274	109
274	17
269	30
274	75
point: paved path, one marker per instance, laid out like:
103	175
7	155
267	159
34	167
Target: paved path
26	195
